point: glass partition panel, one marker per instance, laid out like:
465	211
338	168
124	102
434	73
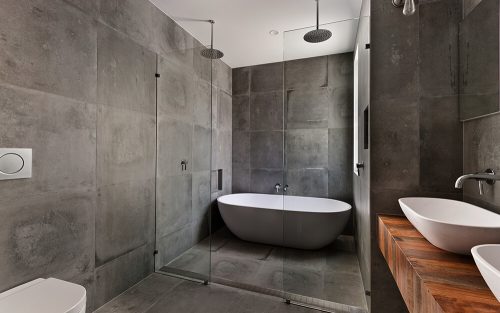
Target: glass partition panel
320	264
184	150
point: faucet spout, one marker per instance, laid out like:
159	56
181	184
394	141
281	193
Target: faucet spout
489	176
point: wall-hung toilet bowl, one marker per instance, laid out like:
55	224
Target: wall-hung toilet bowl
44	296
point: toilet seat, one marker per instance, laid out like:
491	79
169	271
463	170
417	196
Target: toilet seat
44	296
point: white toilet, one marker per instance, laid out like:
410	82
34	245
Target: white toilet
44	296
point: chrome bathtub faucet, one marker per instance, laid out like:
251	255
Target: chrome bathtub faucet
277	187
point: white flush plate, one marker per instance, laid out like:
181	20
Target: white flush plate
15	163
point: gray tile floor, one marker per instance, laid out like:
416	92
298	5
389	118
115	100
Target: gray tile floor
160	293
331	274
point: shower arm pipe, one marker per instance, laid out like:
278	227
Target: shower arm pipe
212	22
317	14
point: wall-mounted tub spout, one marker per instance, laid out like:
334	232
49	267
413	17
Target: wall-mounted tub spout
409	7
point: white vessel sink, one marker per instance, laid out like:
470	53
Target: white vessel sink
451	225
487	258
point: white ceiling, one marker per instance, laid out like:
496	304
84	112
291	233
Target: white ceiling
242	27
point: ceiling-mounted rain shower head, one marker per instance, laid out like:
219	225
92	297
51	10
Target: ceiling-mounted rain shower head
211	53
317	35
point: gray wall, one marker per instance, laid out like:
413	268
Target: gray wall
416	141
317	114
77	85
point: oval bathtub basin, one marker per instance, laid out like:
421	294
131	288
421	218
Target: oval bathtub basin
310	223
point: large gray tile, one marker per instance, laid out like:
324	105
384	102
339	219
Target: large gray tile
222	76
126	146
241	112
246	250
438	55
346	288
201	195
340	70
174	204
440	144
38	53
201	148
306	148
141	296
395	144
222	147
47	235
340	164
174	42
173	245
241	180
61	133
118	275
306	73
202	104
266	111
241	81
194	260
233	268
90	7
176	89
266	149
342	261
263	180
341	107
224	111
395	51
133	18
125	218
308	108
307	182
174	145
241	149
126	73
266	77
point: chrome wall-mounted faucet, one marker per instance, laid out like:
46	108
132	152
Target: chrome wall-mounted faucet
489	176
409	7
277	187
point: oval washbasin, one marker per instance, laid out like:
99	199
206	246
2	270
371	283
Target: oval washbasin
451	225
487	258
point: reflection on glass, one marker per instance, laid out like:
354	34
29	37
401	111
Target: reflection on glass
479	60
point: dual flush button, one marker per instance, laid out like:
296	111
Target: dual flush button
15	163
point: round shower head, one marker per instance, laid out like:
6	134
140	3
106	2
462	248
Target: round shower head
318	35
213	54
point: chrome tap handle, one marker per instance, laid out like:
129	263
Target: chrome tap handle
277	187
285	188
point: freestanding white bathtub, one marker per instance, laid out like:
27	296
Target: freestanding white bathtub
310	223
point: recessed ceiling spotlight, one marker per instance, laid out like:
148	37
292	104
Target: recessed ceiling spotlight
273	32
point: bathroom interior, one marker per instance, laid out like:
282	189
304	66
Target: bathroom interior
249	156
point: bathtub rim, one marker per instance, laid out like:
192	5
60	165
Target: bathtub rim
342	208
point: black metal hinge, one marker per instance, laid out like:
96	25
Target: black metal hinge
367	46
155	252
157	75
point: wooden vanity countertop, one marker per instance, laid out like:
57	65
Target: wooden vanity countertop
432	280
